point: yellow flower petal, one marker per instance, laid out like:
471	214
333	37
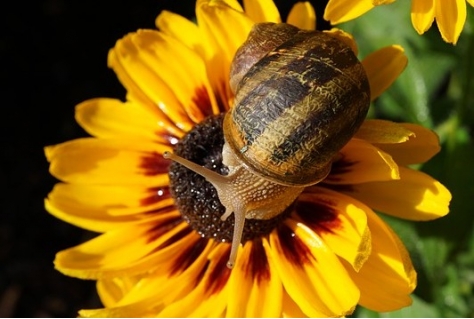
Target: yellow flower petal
166	285
383	67
129	250
101	208
211	16
339	220
450	17
114	200
303	16
382	131
209	297
265	299
389	264
147	53
112	290
361	162
164	122
150	294
338	11
184	31
292	310
92	219
262	11
311	274
471	2
255	284
422	14
111	118
109	162
185	74
416	196
144	82
116	288
241	282
419	148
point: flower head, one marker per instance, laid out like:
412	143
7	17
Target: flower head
163	248
450	15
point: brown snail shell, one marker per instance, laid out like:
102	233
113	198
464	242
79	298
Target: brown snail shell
297	105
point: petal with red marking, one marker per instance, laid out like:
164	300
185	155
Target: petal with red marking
109	162
311	273
209	298
256	284
339	220
101	208
130	250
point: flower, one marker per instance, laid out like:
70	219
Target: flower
450	15
322	257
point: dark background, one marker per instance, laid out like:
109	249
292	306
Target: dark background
53	56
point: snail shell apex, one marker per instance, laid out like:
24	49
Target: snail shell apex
297	105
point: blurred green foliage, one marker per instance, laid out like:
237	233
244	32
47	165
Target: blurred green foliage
437	91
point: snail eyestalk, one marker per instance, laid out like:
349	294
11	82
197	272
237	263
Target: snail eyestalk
221	183
239	222
211	176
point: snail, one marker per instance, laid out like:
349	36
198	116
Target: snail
300	96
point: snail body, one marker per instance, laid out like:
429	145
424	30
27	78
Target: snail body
300	96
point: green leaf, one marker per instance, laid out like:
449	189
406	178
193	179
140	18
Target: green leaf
453	168
435	252
451	299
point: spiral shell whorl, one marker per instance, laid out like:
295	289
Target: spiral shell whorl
297	106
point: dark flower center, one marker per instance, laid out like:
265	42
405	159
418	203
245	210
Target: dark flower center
196	198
